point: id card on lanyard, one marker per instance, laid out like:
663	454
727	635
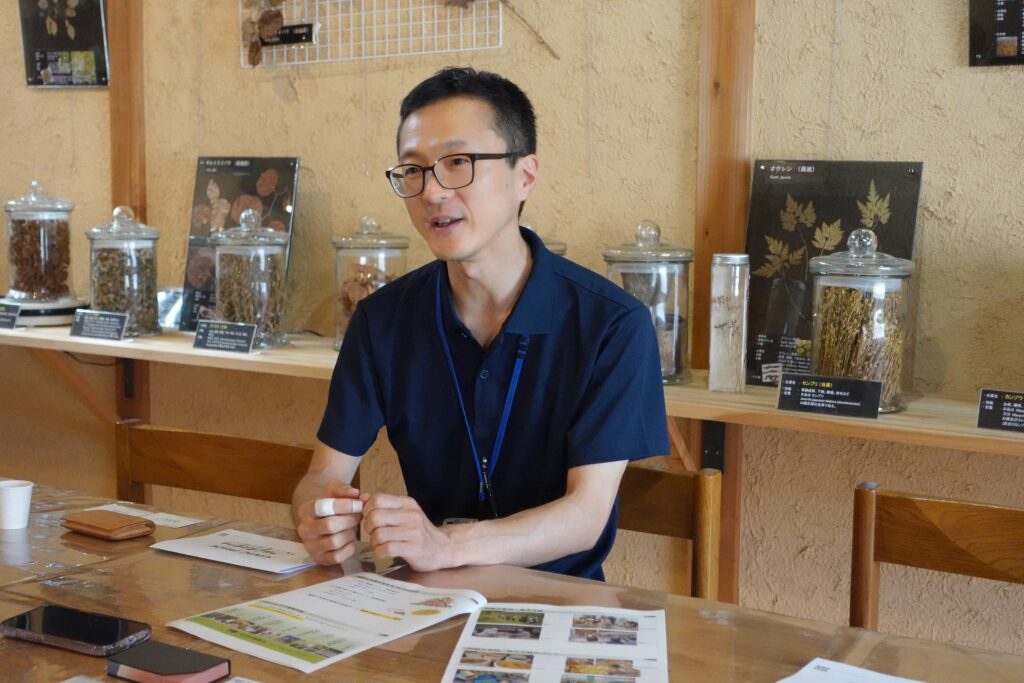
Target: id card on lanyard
484	466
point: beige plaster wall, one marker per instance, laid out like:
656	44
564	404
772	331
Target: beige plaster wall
890	81
833	80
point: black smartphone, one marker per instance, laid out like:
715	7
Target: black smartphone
72	629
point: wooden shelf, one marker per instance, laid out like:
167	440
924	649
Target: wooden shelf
927	421
304	356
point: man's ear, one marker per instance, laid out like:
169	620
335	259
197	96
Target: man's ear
529	173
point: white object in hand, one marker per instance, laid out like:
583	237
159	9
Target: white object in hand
324	507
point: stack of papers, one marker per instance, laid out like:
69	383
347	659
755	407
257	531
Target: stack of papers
824	671
243	549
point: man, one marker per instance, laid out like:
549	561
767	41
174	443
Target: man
514	384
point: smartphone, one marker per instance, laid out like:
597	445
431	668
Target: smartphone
72	629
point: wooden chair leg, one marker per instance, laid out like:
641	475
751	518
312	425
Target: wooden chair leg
126	488
863	568
707	534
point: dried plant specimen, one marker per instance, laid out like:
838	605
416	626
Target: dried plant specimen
358	282
124	281
862	336
874	212
40	254
57	13
269	23
250	289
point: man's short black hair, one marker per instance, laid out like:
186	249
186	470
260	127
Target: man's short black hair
514	119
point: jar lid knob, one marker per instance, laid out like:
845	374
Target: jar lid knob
647	232
250	220
862	243
123	216
369	226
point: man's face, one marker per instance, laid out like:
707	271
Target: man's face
461	224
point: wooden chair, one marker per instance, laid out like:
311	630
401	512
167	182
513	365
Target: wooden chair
954	536
215	463
683	505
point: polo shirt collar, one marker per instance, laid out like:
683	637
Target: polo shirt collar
534	312
535	309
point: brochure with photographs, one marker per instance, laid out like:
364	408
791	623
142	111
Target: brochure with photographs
566	644
65	42
803	209
225	187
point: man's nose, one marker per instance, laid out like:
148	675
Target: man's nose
433	191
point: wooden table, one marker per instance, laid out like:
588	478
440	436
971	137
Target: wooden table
707	641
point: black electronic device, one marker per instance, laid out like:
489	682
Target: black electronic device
72	629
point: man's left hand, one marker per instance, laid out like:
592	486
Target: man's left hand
397	527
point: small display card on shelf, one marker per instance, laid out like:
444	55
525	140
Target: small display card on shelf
839	396
221	336
1001	410
99	325
9	316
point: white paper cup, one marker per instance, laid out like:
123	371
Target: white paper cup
15	501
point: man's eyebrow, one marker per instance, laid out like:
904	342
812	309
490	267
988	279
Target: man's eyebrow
446	147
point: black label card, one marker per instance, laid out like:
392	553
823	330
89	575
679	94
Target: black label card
830	395
99	325
221	336
1001	410
286	35
9	315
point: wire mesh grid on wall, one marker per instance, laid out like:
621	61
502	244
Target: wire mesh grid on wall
367	29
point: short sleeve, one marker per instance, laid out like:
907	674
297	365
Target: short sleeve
354	412
622	412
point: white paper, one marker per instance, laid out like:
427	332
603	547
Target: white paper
824	671
310	628
244	549
516	643
158	518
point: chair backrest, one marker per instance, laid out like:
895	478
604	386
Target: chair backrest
946	535
214	463
681	505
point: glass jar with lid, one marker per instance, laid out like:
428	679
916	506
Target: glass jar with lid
366	260
658	274
122	271
860	315
250	285
38	246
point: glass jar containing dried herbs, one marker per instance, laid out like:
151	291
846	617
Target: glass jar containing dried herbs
367	259
122	271
861	327
250	284
38	245
658	274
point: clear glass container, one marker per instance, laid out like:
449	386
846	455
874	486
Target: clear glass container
366	260
250	284
860	315
38	245
122	271
730	290
658	274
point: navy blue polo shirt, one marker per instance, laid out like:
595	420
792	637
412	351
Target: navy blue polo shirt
590	391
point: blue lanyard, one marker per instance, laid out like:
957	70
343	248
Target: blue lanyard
484	467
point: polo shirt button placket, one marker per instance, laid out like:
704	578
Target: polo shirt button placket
484	374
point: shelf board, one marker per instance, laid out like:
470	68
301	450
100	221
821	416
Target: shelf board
926	421
304	356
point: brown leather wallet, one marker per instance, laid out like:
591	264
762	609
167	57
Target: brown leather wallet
110	526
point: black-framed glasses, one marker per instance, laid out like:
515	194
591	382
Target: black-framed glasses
451	172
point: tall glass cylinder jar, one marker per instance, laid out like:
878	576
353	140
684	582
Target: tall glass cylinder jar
122	271
730	288
251	278
860	315
366	260
658	274
38	245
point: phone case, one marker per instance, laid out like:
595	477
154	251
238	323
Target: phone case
110	526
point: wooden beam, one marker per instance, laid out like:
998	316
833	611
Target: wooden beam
61	366
127	106
683	435
732	494
725	92
132	389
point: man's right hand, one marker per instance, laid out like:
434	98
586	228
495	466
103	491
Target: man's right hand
332	539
